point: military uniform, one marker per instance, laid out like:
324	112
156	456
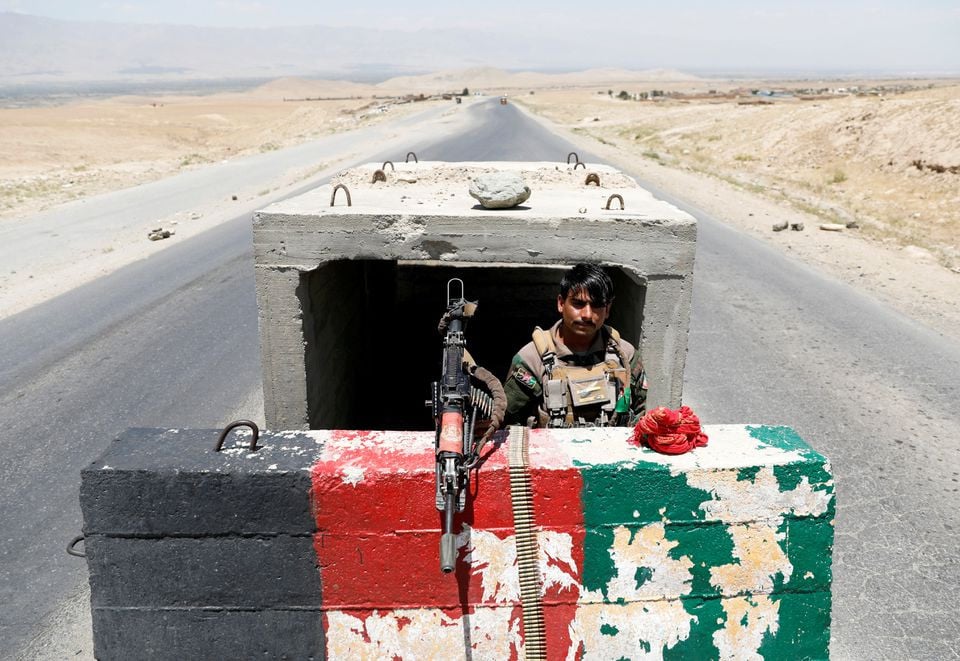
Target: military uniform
604	385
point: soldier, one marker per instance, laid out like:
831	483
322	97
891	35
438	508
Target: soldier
579	373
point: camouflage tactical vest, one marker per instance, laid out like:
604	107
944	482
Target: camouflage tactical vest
583	396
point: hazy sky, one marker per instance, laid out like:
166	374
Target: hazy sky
922	35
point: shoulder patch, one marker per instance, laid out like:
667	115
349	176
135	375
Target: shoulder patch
524	376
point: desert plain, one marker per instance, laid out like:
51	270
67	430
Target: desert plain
878	161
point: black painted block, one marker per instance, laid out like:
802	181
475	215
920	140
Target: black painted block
204	634
228	572
171	482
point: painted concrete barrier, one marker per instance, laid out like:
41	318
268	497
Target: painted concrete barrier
323	544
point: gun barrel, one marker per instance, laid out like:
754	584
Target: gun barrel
448	541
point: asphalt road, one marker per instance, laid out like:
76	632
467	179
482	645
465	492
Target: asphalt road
172	341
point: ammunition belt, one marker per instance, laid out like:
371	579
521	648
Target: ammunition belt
525	536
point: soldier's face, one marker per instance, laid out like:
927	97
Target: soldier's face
581	318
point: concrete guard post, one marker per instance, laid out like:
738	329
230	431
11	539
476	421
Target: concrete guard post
333	281
323	544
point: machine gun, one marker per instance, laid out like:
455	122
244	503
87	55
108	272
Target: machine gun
464	394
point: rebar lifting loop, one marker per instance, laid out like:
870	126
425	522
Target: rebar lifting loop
592	178
71	550
615	196
333	195
390	163
409	154
379	175
578	163
574	154
233	425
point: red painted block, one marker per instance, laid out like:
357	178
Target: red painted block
377	545
488	633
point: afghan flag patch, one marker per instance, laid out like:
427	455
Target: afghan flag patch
525	377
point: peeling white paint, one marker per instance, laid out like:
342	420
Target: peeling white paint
644	620
748	620
596	446
352	475
431	634
495	560
730	446
336	445
754	510
761	557
758	500
647	549
557	566
422	634
638	630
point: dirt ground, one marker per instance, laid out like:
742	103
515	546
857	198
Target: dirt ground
885	160
50	155
831	158
841	157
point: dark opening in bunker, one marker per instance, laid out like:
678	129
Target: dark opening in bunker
371	342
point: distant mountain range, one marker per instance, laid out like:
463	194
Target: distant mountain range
35	50
476	79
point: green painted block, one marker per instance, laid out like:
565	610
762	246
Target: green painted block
808	543
803	630
786	626
728	548
708	617
642	492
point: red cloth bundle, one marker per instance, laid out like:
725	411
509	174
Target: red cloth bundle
669	432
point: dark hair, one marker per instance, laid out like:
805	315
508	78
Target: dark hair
591	278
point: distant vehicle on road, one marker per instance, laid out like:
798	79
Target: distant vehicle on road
503	100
